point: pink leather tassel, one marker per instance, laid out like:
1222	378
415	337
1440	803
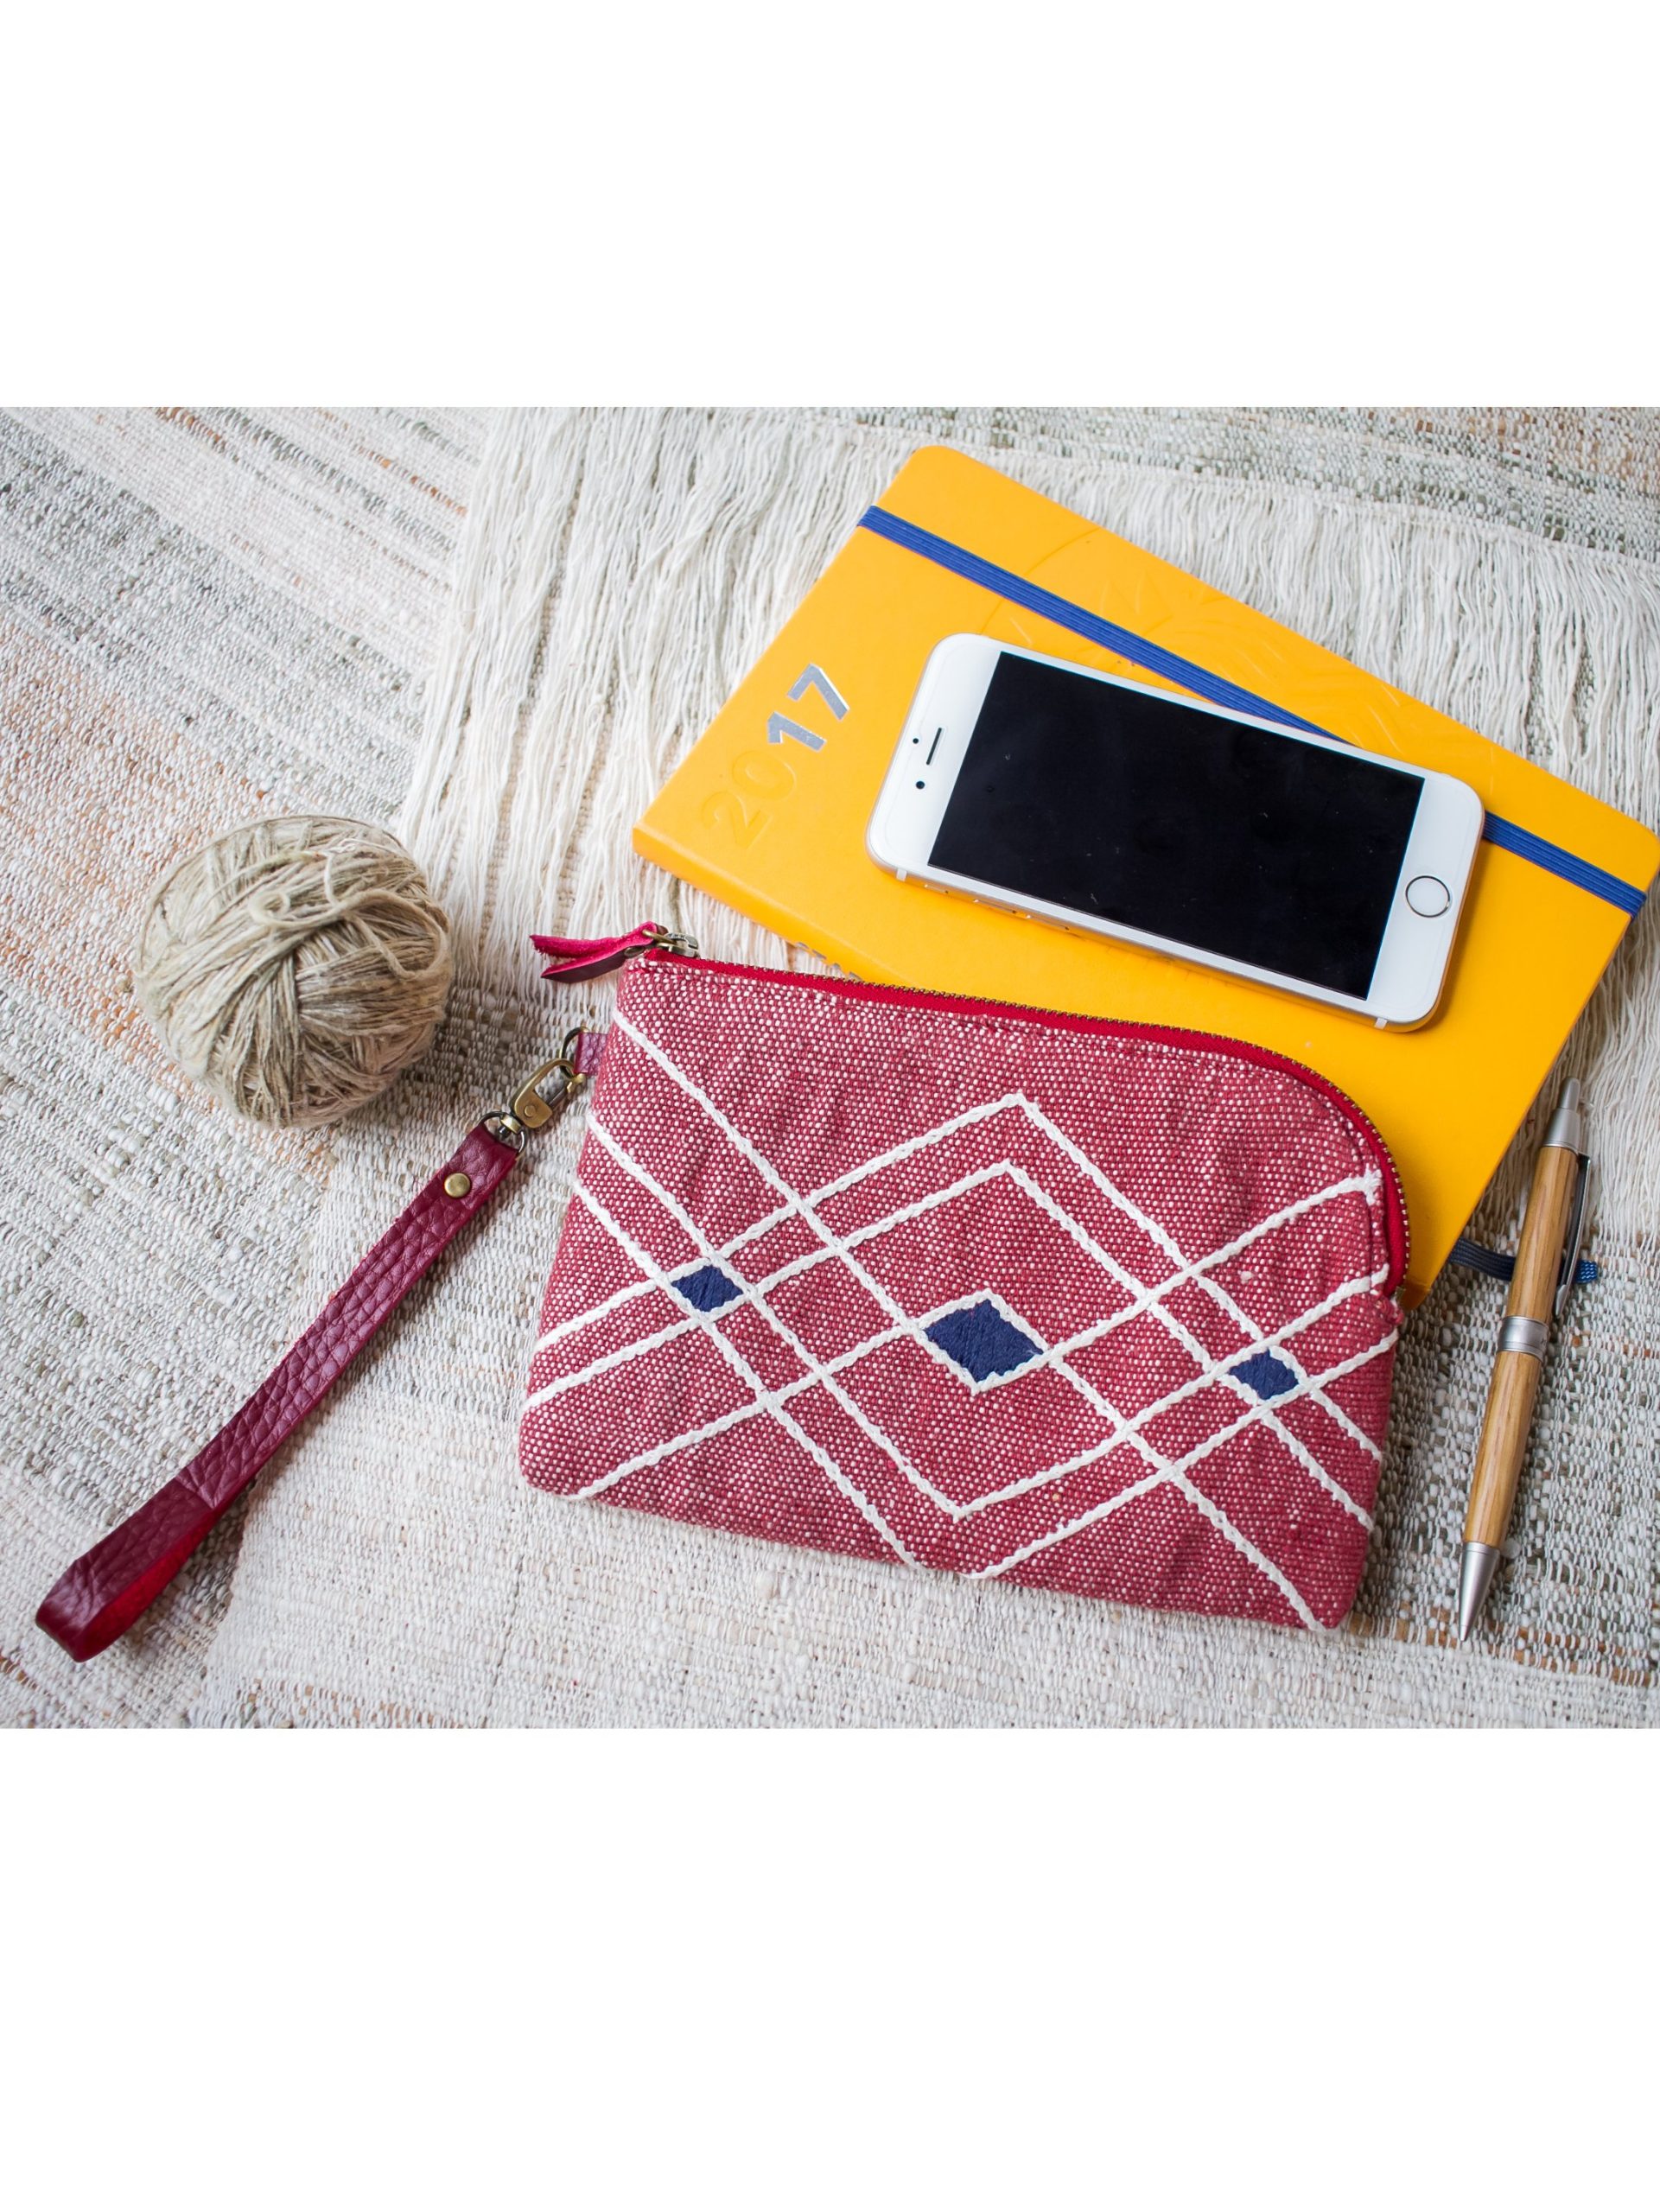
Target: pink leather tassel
574	959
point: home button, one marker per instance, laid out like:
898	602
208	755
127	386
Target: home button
1429	895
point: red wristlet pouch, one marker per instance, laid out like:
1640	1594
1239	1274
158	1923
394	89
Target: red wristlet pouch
1036	1299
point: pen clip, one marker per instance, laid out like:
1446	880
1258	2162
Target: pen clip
1575	1243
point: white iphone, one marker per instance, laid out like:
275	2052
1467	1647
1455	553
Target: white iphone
1108	806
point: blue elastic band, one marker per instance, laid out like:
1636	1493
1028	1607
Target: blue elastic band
1467	1253
1509	836
1036	600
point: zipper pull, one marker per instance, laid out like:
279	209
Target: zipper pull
577	959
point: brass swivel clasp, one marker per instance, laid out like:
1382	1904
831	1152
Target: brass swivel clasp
532	1110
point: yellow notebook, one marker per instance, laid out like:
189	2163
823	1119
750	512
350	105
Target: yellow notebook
768	812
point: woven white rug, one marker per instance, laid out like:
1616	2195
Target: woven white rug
613	577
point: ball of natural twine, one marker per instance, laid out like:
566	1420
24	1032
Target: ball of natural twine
295	966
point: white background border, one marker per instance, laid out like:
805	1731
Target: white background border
815	1970
927	1970
745	203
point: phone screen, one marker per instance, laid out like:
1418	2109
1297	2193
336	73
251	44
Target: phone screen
1159	817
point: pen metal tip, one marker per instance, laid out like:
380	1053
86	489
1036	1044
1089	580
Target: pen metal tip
1476	1568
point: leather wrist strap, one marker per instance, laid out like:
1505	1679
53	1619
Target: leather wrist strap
101	1596
107	1588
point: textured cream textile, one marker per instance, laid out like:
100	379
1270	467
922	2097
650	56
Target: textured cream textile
204	615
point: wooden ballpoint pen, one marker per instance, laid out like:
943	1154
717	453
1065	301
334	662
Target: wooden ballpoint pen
1546	1261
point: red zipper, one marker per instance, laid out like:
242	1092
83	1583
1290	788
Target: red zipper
1397	1234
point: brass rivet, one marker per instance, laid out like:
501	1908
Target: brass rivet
458	1185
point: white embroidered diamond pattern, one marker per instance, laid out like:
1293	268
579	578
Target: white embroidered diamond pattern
984	1344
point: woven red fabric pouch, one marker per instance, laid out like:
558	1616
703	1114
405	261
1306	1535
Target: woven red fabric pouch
1026	1297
